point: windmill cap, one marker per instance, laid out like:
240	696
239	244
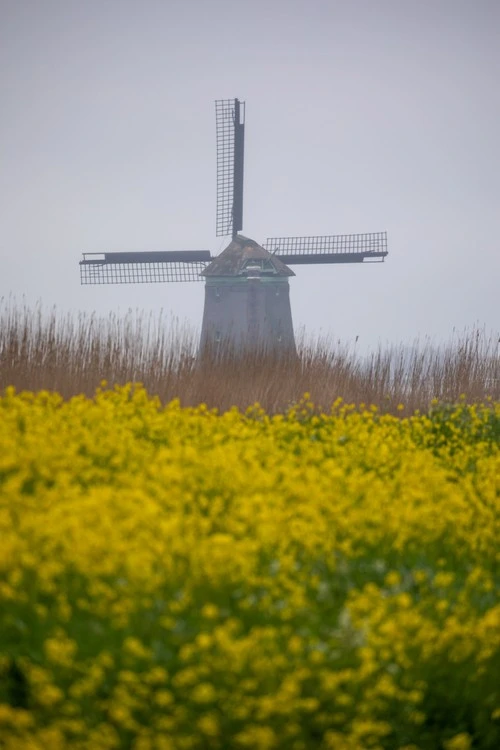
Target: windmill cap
243	257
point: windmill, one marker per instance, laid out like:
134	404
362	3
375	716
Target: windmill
247	295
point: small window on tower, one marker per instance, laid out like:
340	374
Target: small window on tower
217	336
217	292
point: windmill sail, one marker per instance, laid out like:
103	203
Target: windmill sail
230	128
143	267
336	248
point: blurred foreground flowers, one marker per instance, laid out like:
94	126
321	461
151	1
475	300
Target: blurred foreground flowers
174	578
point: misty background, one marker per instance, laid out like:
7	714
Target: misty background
360	116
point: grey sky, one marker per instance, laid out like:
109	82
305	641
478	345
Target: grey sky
361	116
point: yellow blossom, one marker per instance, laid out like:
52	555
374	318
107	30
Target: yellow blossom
175	578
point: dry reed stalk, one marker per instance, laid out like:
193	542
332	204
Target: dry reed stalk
73	354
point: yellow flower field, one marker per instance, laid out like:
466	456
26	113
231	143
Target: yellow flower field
174	578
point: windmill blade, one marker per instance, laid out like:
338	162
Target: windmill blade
230	130
336	248
143	268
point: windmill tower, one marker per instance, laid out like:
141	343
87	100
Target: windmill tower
247	294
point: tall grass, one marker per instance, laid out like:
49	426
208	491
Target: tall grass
72	354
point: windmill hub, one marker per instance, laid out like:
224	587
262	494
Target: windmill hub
247	295
244	255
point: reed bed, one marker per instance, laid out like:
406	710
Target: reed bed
73	353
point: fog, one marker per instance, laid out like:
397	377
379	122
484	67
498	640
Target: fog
360	117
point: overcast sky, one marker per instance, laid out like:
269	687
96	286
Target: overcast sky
361	115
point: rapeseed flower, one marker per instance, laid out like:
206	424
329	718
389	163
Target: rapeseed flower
177	578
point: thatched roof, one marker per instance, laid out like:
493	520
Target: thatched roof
244	257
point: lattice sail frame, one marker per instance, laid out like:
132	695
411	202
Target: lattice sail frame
151	267
230	135
143	268
335	248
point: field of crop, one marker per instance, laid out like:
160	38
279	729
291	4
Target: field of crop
176	578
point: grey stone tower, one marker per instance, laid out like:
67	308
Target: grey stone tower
247	300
